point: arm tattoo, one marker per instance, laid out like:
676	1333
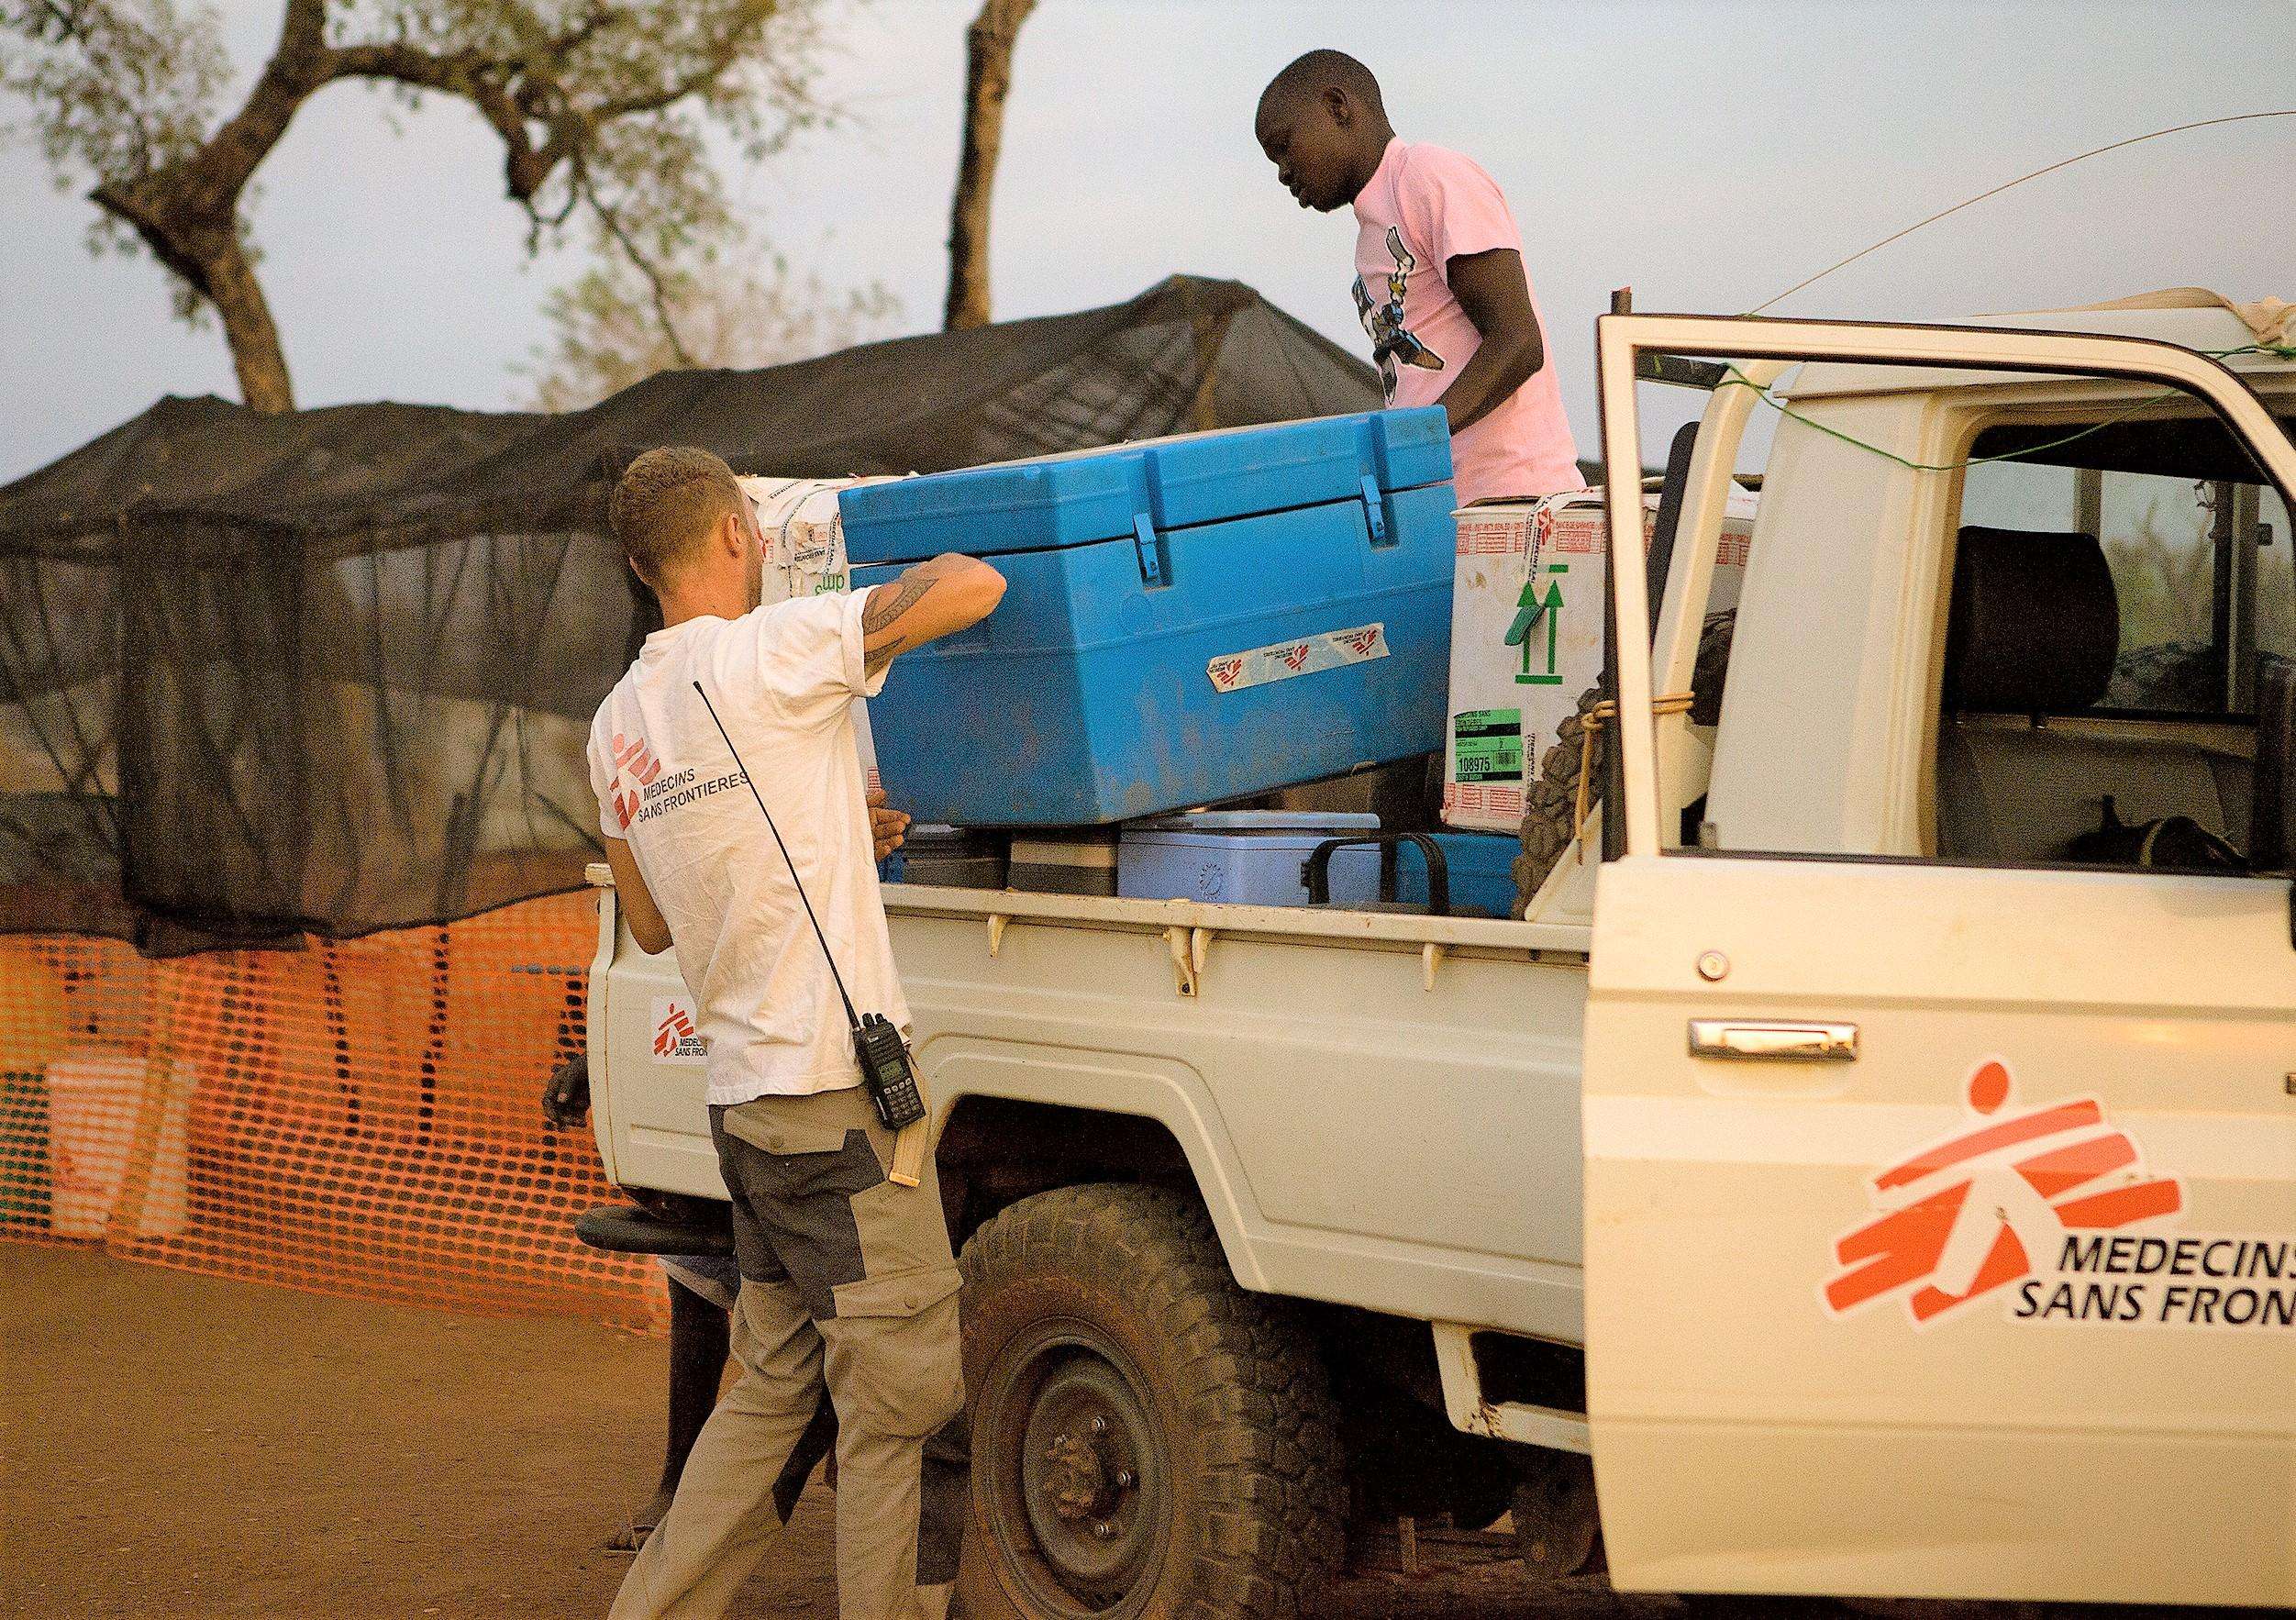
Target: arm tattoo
879	657
887	603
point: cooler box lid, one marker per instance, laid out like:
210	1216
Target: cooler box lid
1084	496
1337	824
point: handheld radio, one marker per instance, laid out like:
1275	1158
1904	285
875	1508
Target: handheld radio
887	1074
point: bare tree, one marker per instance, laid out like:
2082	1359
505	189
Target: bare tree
740	309
600	106
988	80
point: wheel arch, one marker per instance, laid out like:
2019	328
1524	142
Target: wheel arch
996	1149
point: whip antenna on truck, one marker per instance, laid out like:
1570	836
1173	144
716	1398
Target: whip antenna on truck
2011	184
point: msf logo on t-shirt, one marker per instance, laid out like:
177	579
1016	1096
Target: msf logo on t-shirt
636	762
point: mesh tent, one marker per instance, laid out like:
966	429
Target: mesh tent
331	671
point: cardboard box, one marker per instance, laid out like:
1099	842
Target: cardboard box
1526	638
804	556
805	539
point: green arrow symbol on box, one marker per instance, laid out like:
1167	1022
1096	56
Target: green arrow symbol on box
1532	606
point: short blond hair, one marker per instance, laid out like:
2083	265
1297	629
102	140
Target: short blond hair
665	505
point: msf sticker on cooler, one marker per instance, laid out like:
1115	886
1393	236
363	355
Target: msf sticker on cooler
675	1038
2051	1213
1330	650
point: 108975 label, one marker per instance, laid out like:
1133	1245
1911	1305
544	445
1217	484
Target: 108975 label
1487	745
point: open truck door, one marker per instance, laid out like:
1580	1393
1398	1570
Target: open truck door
1940	1208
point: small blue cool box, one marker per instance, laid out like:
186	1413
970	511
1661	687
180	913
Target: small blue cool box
1188	620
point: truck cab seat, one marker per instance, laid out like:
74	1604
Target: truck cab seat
2033	631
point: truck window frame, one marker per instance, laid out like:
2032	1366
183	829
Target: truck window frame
1622	342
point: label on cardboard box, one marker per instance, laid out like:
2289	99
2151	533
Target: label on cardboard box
1487	744
1528	612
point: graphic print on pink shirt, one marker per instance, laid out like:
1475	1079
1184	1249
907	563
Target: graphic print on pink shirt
1424	208
1390	343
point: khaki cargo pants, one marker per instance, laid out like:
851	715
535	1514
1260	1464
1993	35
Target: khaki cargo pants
849	1293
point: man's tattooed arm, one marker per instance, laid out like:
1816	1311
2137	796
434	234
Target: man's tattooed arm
932	599
881	633
888	602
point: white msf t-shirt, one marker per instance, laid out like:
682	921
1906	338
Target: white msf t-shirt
784	679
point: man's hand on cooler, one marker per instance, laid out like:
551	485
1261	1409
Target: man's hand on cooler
886	827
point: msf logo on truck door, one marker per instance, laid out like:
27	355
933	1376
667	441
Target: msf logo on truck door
1994	1204
675	1038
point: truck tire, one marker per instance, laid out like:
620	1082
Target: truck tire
1557	1526
1551	804
1147	1439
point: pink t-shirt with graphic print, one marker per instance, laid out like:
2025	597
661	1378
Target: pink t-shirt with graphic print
1424	208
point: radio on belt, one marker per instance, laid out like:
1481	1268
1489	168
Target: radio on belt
887	1073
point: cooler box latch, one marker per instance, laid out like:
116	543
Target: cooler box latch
1375	511
1144	541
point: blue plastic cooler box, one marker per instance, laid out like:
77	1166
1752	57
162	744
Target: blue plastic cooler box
1241	857
1188	620
1479	865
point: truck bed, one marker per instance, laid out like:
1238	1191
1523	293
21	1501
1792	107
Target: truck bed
1381	1111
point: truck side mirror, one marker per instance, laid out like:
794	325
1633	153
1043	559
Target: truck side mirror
2272	801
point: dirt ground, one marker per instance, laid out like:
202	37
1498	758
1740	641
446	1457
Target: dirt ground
181	1446
178	1446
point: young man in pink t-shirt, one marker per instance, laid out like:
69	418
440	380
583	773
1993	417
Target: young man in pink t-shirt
1439	278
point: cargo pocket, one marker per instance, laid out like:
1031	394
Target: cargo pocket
902	1228
808	1158
801	1182
896	1364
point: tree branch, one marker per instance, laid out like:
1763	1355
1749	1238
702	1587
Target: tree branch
129	91
724	52
988	80
655	279
478	78
220	170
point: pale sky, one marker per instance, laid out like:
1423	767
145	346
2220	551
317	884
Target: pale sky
1709	152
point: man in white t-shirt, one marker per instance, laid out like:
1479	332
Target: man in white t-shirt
848	1280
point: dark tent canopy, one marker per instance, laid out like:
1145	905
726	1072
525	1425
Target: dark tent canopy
332	670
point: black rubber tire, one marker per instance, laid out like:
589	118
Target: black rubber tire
1556	1524
1248	1491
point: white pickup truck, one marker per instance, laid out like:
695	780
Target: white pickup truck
1875	1153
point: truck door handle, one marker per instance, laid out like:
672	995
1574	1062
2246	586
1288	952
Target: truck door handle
1744	1039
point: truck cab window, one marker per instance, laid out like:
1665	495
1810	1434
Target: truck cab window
1987	617
2116	595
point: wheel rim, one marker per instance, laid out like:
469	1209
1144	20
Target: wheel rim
1074	1470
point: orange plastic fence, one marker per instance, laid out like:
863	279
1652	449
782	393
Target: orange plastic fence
359	1118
